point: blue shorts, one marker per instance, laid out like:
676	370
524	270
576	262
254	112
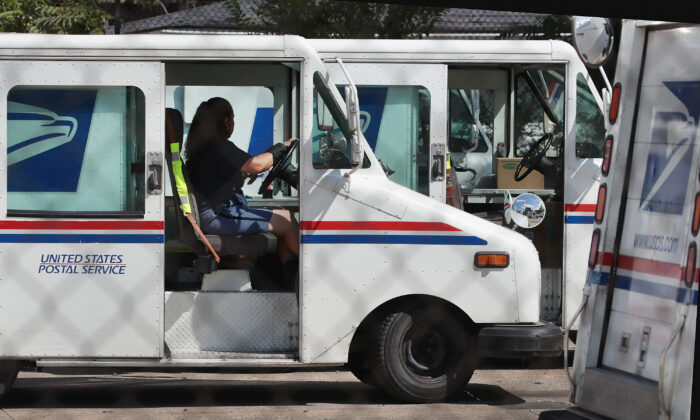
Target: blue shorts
234	217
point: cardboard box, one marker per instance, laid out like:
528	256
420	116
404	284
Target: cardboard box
504	176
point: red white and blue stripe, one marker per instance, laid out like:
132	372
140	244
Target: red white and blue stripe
82	231
368	232
579	214
634	275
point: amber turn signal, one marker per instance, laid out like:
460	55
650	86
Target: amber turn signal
491	260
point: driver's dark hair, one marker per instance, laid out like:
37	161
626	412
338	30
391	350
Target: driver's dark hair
207	126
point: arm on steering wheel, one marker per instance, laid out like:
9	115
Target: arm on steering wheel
279	166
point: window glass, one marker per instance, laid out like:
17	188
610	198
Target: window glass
395	121
530	111
75	149
331	148
590	126
471	120
471	141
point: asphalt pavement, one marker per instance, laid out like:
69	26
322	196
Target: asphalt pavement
493	393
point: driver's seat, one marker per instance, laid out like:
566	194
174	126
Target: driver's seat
223	245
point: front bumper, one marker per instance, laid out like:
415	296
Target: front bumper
505	341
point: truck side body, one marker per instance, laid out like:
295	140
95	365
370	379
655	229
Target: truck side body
636	347
92	276
470	98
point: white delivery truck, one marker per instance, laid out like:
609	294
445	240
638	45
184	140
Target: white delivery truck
392	282
492	104
637	343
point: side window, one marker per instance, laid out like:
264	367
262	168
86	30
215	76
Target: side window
590	126
331	149
396	124
530	113
75	150
471	120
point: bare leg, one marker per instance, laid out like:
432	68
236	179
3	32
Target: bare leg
285	227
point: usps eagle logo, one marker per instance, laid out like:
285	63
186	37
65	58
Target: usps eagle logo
47	135
35	130
671	152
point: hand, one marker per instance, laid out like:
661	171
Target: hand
289	142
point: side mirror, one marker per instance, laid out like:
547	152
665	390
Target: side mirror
353	113
324	117
593	39
527	210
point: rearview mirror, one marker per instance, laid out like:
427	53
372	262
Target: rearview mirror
526	211
353	113
593	39
324	118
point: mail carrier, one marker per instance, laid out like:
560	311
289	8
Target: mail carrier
100	267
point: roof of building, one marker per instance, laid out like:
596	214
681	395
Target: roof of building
217	17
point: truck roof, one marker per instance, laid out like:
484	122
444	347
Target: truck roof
444	51
151	46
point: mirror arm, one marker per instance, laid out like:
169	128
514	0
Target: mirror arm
605	78
355	140
541	99
606	95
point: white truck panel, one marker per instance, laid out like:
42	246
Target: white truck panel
350	271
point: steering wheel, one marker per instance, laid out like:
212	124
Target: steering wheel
533	156
279	167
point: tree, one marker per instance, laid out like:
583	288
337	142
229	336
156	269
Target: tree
52	16
79	16
335	19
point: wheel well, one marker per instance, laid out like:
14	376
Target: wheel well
359	339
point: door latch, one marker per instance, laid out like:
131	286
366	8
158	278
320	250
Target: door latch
437	164
155	172
644	347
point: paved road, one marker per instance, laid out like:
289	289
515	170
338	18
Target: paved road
57	394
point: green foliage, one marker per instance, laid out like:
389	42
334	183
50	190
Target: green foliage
52	16
336	19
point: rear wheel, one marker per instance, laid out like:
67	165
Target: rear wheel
423	354
359	361
8	374
360	366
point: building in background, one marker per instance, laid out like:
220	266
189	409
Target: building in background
453	23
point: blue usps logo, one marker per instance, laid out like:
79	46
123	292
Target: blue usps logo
670	158
47	134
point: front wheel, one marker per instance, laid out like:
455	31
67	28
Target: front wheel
8	374
424	354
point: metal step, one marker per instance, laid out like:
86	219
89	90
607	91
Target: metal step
619	395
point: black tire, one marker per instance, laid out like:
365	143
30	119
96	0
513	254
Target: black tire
424	355
8	374
361	366
359	362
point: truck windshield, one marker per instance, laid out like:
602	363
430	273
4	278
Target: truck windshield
331	149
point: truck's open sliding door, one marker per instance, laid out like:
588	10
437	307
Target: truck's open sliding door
81	225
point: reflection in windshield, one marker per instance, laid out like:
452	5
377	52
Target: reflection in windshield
328	98
529	110
590	125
